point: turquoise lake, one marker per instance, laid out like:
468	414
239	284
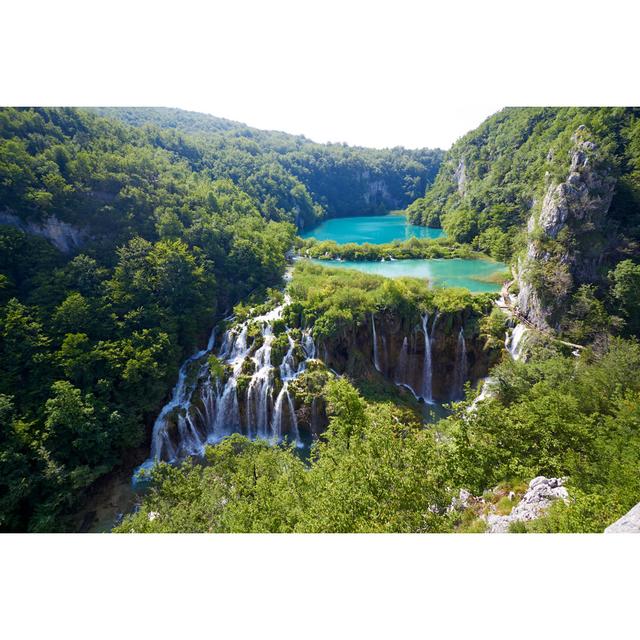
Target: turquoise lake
454	272
371	229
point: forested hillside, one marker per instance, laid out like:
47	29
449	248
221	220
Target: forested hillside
291	176
492	177
555	192
121	242
91	339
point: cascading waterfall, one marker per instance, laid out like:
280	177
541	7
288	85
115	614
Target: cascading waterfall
460	371
403	363
205	408
434	325
287	368
515	341
376	355
260	389
308	345
427	374
188	422
227	412
279	417
161	445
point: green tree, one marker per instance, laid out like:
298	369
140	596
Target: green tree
460	225
625	291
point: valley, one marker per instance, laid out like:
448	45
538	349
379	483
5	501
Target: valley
208	327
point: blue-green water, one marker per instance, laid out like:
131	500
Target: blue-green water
454	272
372	229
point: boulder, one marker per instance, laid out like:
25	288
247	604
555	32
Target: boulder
541	493
629	523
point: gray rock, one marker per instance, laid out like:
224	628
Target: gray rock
460	176
460	502
62	235
580	204
541	493
629	523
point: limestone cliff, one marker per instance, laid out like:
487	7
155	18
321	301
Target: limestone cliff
566	236
62	235
433	356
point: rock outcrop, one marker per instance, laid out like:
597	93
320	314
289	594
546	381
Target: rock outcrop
565	238
629	523
62	235
542	492
460	176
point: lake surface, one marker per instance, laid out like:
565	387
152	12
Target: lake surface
371	229
454	272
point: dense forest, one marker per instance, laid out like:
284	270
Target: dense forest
378	469
292	177
560	187
121	244
127	234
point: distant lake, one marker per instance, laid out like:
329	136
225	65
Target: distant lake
474	275
371	229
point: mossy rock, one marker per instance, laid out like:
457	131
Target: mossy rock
254	330
218	370
243	384
258	341
248	367
278	327
279	348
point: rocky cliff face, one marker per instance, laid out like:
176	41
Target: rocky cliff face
62	235
377	195
433	356
567	236
540	495
460	176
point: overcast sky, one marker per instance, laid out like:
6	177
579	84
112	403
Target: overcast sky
370	73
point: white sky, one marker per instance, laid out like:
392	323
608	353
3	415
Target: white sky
370	73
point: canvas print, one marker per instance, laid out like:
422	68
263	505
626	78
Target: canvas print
209	327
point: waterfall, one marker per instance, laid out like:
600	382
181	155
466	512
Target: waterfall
427	366
403	363
185	426
460	370
161	445
515	341
308	345
227	415
433	326
278	416
489	389
190	440
287	368
278	413
376	356
260	388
